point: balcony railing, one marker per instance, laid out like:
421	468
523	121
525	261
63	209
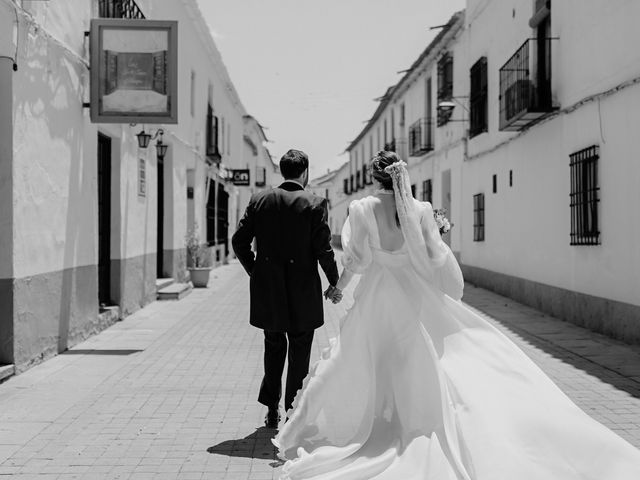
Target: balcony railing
390	146
421	137
119	9
525	85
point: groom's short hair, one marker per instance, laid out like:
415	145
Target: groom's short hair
293	164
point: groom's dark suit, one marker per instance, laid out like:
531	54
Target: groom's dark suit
292	237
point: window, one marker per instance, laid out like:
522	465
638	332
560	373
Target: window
413	190
445	86
511	178
402	112
478	217
427	191
222	137
345	185
420	137
351	183
478	98
358	180
212	150
495	184
261	176
584	196
366	176
385	131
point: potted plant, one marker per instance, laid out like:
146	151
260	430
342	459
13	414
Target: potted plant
199	259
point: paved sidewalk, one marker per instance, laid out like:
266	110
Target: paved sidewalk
169	393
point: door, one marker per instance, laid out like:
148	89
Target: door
104	219
160	223
222	228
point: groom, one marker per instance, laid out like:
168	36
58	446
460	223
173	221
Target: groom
290	227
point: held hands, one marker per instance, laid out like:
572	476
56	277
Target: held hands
334	294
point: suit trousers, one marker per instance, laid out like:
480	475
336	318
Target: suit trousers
298	354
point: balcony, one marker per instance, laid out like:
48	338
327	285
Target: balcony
420	137
119	9
525	86
390	146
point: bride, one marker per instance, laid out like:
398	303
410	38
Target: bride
417	386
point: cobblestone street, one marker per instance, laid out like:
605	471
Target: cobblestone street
170	392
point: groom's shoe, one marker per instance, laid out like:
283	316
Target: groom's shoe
272	418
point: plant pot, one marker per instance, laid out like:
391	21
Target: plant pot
200	276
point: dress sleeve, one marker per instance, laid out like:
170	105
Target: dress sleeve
447	275
357	252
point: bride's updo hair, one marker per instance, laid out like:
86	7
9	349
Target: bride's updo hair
379	162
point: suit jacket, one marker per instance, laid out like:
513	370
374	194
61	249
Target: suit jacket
292	237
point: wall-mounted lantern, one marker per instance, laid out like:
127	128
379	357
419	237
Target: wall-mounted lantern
145	138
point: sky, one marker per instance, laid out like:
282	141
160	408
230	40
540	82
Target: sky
309	70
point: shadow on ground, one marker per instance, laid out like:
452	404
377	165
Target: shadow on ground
256	445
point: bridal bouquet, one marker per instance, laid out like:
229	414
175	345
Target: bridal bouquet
441	220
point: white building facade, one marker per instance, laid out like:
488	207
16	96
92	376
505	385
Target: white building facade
89	219
407	122
531	108
556	165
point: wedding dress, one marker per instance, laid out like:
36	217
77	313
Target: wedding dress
417	386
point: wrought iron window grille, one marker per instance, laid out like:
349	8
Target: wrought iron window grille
421	137
584	196
119	9
445	86
478	217
427	191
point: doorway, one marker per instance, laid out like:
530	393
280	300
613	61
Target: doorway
104	220
160	223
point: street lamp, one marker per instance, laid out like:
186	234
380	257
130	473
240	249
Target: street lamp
447	106
144	138
161	148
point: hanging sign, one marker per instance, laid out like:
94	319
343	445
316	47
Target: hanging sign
241	178
134	75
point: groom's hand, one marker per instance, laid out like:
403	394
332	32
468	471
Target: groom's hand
334	294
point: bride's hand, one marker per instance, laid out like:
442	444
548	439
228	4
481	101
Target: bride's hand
334	294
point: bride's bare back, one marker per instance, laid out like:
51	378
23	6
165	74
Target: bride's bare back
389	233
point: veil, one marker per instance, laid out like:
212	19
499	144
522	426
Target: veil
432	259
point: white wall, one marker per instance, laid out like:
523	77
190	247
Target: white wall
55	168
528	225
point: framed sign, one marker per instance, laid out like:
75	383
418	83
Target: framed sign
134	71
241	178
